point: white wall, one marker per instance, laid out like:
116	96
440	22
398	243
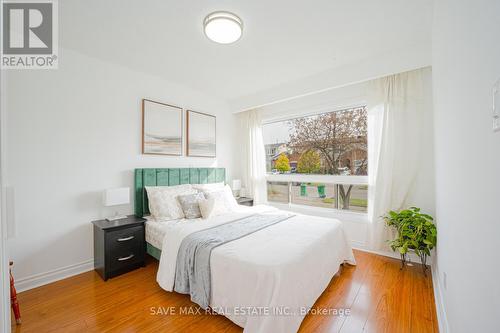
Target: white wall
356	224
389	62
466	63
71	133
344	97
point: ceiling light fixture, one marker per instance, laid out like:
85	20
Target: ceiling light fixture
223	27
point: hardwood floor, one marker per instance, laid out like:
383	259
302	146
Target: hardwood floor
380	297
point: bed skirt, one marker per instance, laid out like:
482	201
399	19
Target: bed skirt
153	251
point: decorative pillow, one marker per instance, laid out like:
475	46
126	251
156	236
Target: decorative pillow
209	187
212	206
163	203
206	206
218	202
228	193
189	204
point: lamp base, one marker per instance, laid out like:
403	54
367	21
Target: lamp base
116	217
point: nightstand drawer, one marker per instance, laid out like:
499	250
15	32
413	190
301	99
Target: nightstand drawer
125	247
125	258
119	240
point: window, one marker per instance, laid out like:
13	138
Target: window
333	143
313	194
319	160
278	192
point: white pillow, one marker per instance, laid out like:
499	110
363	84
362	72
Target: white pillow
163	203
214	205
206	206
229	197
217	202
209	187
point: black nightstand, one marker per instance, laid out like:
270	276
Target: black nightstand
245	201
119	246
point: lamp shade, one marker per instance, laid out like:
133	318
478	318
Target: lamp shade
236	185
116	196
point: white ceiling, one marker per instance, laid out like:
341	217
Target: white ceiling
283	40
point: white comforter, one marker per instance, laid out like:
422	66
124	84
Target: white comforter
265	281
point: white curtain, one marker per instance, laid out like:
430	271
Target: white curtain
254	158
395	120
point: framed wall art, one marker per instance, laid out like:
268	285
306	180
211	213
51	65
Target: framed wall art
201	134
161	128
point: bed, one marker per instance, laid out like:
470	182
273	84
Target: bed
265	281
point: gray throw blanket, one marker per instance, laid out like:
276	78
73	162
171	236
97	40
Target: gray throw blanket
192	271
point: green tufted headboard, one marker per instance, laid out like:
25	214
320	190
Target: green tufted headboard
170	177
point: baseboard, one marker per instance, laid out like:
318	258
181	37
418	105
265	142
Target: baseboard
41	279
411	256
358	245
439	301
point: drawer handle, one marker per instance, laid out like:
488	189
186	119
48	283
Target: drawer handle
126	258
125	239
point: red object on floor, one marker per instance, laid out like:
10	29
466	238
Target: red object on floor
13	298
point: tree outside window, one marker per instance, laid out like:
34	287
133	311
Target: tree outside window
282	164
333	143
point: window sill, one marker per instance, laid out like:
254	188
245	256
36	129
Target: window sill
300	177
351	216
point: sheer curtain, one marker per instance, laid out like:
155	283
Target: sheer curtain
254	158
395	120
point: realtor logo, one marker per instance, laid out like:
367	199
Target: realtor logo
29	34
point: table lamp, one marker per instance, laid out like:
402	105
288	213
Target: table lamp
236	187
116	197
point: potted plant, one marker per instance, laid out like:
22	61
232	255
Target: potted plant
415	232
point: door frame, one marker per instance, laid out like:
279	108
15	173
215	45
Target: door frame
4	255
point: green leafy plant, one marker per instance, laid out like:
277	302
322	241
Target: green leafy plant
415	232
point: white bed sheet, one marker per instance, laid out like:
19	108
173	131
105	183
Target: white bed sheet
155	231
282	268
